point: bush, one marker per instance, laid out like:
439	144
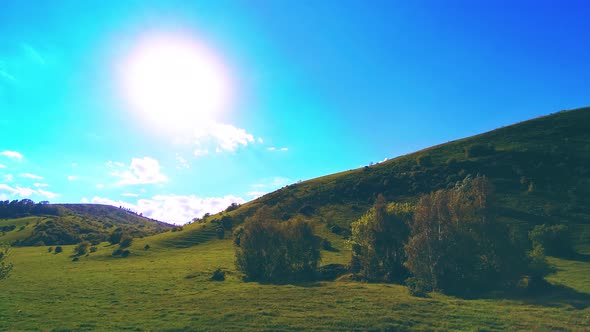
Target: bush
58	249
126	241
478	150
555	239
115	237
93	249
5	267
117	252
81	248
424	161
146	247
75	259
274	251
218	275
50	249
417	287
220	232
125	253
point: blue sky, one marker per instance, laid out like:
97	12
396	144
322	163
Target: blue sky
307	88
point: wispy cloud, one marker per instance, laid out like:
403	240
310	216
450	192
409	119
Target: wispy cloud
6	76
177	209
129	195
73	177
141	171
220	137
182	163
2	166
31	176
8	178
272	148
18	191
12	154
33	54
39	185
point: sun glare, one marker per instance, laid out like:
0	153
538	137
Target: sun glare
175	83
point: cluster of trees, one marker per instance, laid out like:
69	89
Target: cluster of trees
449	241
26	207
269	250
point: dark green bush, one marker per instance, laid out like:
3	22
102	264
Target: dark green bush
93	249
126	241
146	247
555	239
218	275
81	248
220	232
58	249
417	287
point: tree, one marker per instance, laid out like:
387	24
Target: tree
81	248
555	239
456	244
274	251
378	239
5	267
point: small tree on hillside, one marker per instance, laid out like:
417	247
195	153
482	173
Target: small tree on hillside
378	239
5	267
274	251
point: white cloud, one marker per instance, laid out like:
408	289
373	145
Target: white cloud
182	163
2	166
8	178
39	185
17	191
260	140
72	177
31	176
272	148
221	137
12	154
141	171
84	200
129	195
201	152
74	165
176	209
99	186
47	194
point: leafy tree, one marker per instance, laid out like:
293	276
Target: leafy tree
378	241
126	241
457	246
274	251
115	237
81	248
5	267
555	239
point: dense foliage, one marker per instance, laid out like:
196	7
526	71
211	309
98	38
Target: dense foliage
26	207
555	239
5	267
450	241
274	251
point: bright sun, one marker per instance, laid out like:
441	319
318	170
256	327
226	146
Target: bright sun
175	83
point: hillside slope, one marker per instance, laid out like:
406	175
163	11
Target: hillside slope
51	224
540	169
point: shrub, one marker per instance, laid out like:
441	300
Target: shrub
125	253
115	237
218	275
274	251
75	259
478	150
58	249
126	241
117	252
5	267
81	248
555	239
226	222
417	287
424	161
220	232
50	249
93	249
146	247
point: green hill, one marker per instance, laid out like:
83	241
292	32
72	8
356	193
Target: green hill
540	169
26	223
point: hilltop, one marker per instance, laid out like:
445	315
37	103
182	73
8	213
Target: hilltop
25	223
539	169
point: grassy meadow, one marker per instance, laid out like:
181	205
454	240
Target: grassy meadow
167	288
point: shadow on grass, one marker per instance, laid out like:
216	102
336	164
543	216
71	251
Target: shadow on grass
580	257
555	295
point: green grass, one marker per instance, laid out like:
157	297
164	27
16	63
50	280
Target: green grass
167	288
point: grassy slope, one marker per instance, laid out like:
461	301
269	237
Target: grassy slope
167	288
98	219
